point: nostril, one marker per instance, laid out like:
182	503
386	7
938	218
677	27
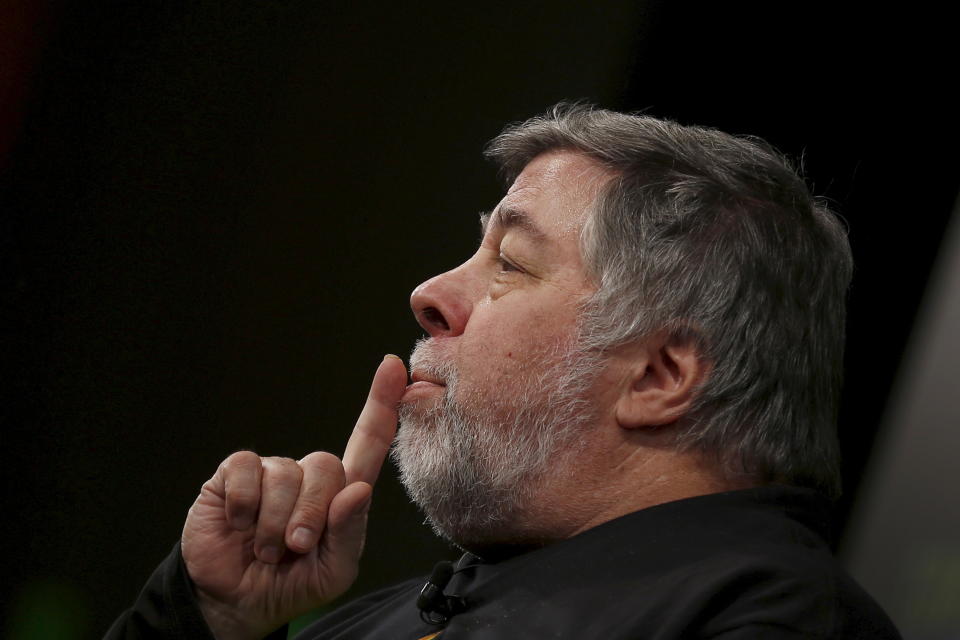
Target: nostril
434	317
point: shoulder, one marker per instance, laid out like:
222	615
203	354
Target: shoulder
760	560
709	566
797	590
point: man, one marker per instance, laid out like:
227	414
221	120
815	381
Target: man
624	414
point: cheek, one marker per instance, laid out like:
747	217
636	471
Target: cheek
506	351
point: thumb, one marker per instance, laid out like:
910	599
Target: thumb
342	543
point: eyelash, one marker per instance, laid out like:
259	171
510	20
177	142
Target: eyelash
506	266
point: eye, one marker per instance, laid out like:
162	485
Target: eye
506	266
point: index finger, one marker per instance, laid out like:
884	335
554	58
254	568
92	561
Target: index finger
377	424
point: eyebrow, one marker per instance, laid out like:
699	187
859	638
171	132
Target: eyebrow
511	218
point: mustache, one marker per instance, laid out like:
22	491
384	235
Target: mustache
427	359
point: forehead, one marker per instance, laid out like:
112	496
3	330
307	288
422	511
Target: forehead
555	189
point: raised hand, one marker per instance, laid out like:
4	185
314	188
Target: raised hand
268	539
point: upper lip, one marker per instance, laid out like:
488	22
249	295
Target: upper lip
421	376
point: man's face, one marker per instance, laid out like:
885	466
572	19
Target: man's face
500	387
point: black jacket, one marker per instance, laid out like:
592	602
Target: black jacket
741	564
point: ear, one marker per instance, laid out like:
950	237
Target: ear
663	375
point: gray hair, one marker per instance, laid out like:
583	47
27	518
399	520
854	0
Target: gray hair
717	239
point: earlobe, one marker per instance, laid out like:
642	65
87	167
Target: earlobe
664	374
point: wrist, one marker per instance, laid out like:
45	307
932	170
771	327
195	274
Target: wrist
224	620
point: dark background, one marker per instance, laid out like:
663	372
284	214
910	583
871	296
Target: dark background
213	214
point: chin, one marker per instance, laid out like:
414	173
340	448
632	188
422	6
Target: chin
477	529
479	464
493	540
479	490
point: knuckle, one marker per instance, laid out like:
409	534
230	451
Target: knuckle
282	472
240	468
322	462
241	460
277	464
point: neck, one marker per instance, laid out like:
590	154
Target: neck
598	491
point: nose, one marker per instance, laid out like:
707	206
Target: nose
441	304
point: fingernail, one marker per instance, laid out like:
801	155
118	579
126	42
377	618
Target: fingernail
390	355
270	554
242	523
302	537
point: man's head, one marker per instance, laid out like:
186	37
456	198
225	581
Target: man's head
685	244
504	343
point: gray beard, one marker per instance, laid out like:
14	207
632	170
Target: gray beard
476	465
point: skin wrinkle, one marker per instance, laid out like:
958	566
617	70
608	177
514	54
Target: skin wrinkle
707	217
495	455
650	227
517	448
589	181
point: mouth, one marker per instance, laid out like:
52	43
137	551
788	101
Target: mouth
418	375
422	385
